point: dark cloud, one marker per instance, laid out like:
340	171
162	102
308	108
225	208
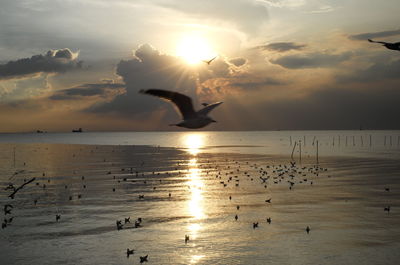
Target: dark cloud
281	46
371	35
325	109
89	90
311	60
383	68
54	61
149	69
246	84
238	61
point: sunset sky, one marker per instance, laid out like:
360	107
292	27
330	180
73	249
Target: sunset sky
281	64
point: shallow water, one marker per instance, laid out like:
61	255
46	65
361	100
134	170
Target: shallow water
385	144
343	207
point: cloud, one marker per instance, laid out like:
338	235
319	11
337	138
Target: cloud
284	3
383	68
24	88
258	84
371	35
238	61
311	60
54	61
248	16
104	90
149	69
281	46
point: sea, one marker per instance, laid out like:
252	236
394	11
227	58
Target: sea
200	197
357	143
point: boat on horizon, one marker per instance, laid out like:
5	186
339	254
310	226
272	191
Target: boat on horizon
77	130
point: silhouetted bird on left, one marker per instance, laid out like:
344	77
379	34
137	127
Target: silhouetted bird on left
191	119
129	252
391	46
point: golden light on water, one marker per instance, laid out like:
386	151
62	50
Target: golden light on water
194	48
194	142
195	203
195	184
196	258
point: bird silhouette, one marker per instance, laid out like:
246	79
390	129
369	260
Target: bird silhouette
129	252
209	61
391	46
144	258
191	119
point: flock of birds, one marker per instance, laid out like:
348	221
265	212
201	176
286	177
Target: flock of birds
229	174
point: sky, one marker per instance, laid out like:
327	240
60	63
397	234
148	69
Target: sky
280	64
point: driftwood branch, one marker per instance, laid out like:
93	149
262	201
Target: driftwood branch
20	187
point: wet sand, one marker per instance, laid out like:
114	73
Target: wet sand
344	207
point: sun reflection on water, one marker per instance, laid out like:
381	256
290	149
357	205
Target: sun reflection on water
193	142
195	184
195	204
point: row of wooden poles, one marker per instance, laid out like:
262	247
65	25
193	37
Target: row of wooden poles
316	143
294	147
387	140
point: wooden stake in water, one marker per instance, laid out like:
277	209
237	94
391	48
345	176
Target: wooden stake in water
300	150
294	147
290	140
313	141
346	140
354	140
304	140
362	141
370	140
339	139
14	156
317	153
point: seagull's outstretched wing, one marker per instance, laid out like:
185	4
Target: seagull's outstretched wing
184	103
381	42
204	111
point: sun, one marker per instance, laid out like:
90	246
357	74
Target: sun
194	49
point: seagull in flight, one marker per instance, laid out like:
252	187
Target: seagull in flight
209	61
391	46
191	119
